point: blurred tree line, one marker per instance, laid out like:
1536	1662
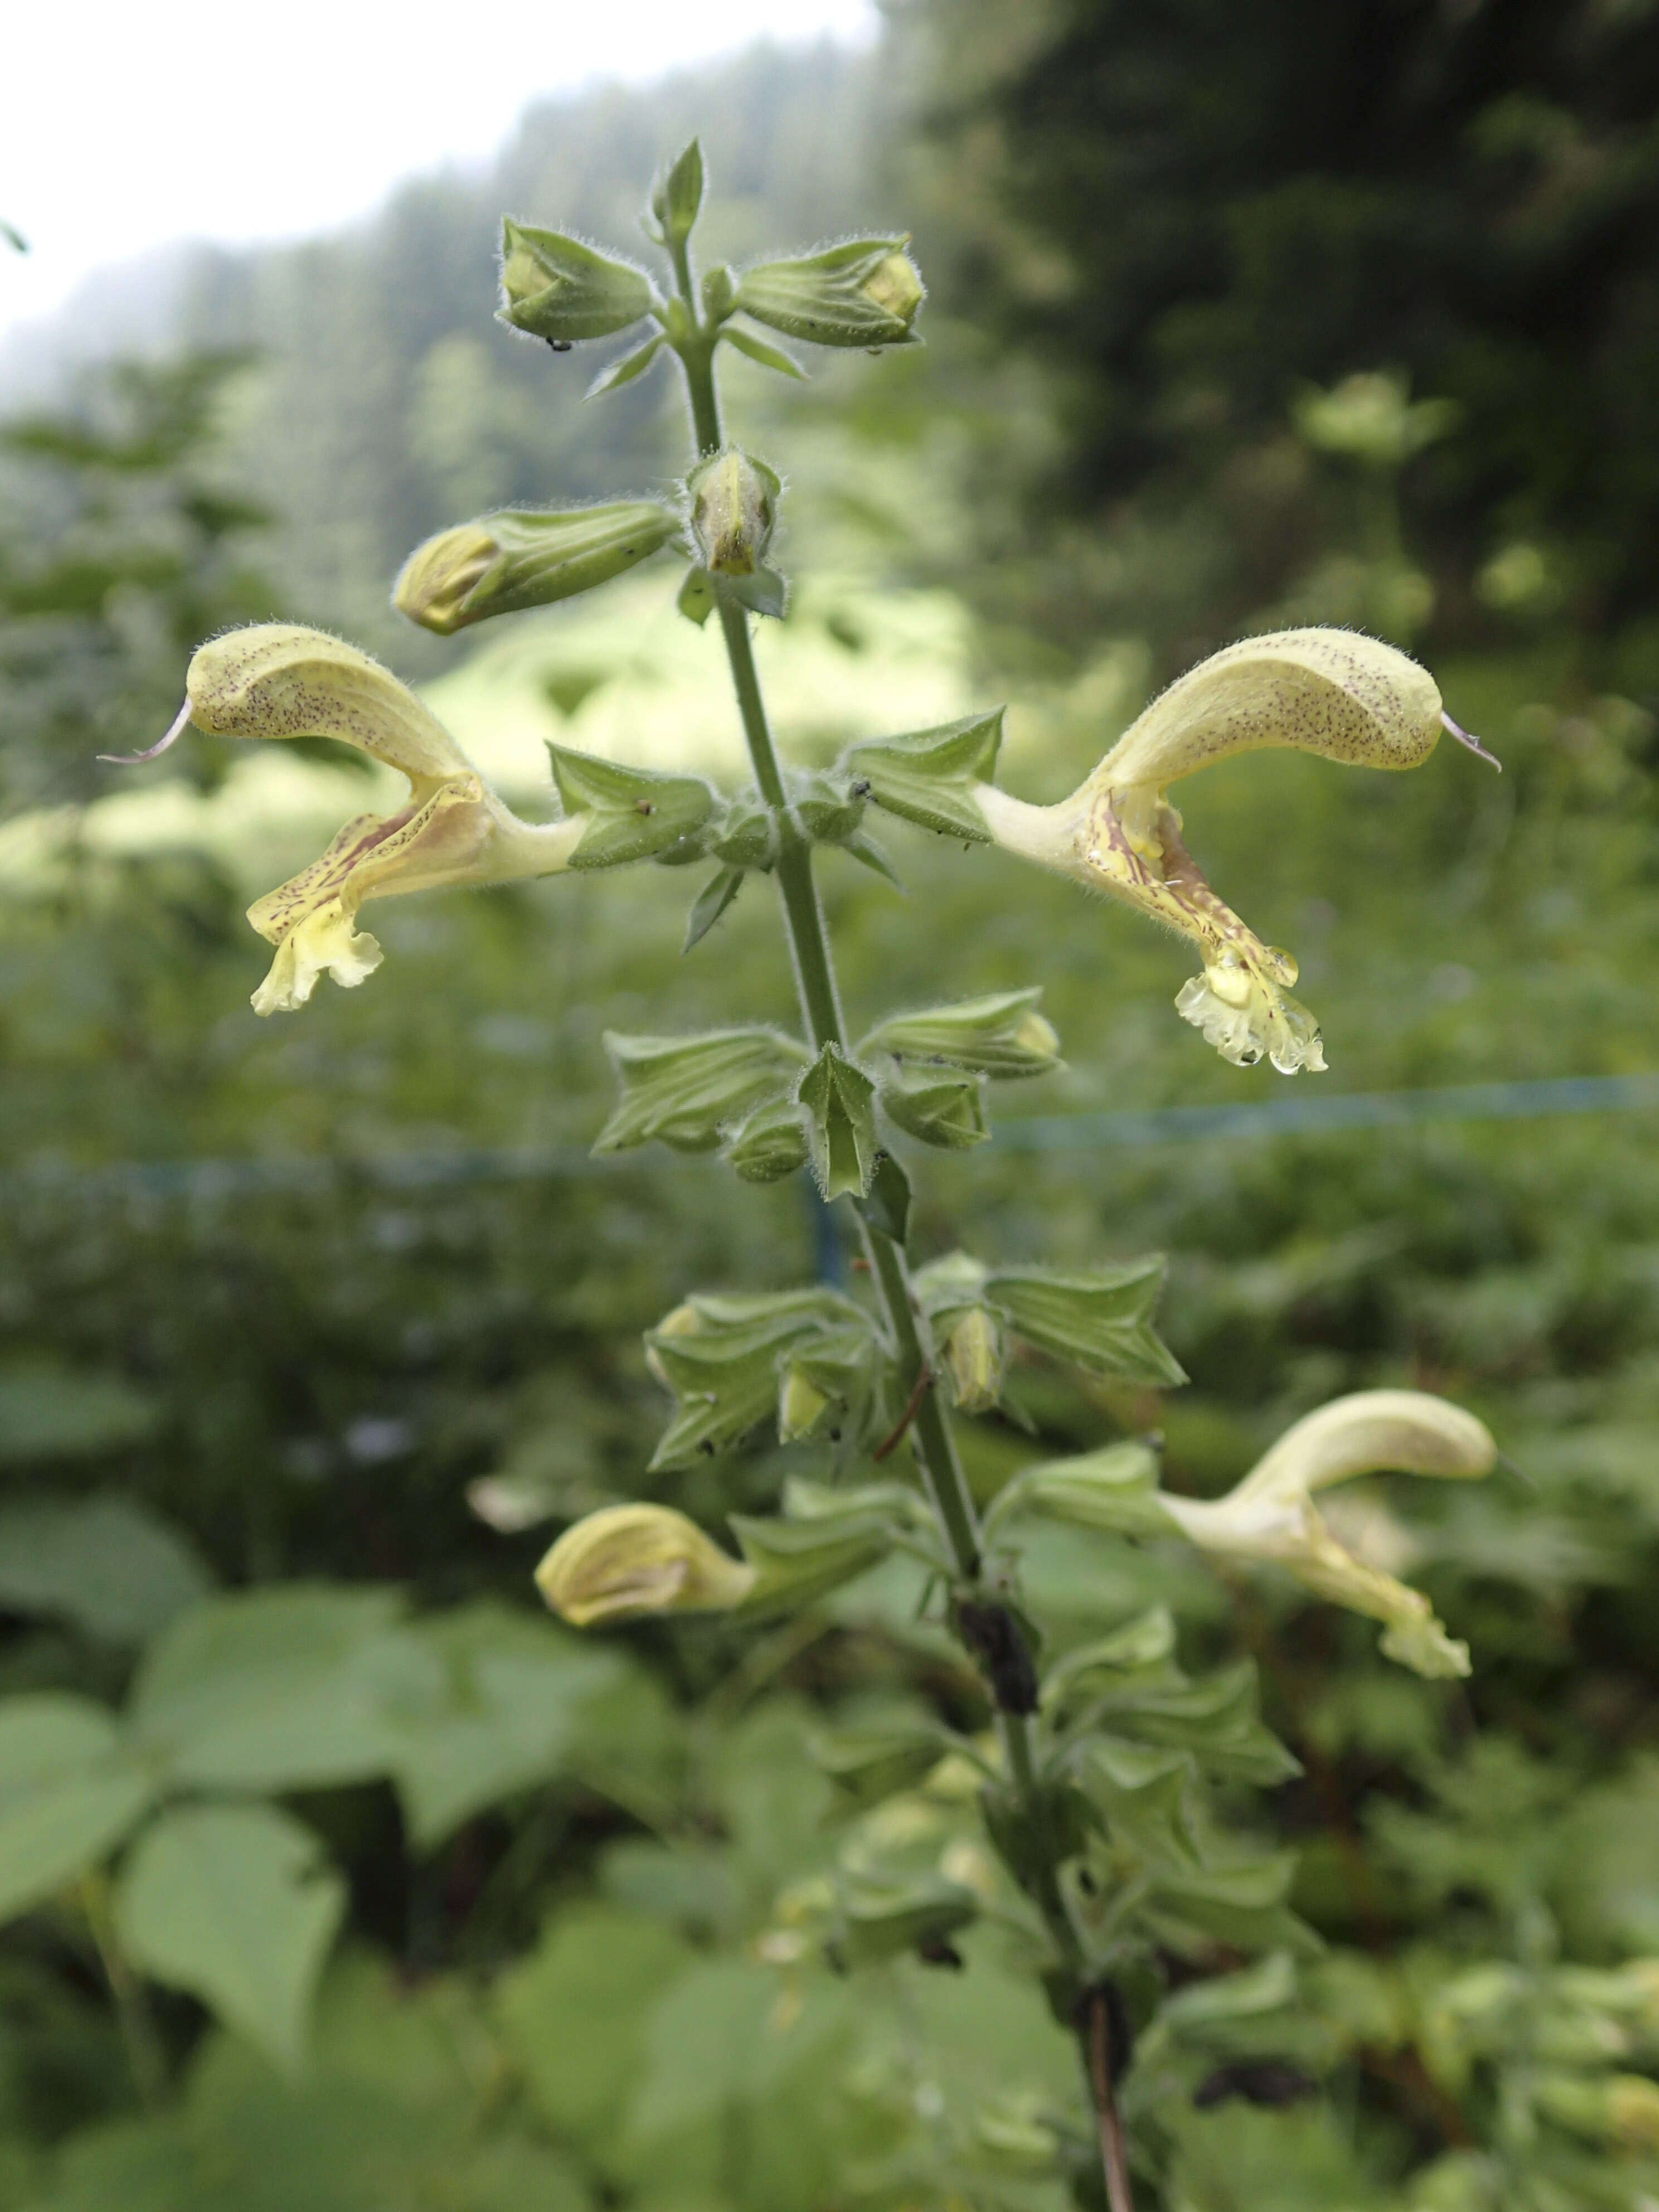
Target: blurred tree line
336	1406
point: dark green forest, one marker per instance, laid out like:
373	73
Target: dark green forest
337	1874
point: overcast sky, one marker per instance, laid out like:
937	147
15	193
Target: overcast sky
127	124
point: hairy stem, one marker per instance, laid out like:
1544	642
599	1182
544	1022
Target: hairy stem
815	979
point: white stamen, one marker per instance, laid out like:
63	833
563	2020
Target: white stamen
1473	743
134	760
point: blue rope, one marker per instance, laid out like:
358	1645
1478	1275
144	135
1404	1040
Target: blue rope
1303	1113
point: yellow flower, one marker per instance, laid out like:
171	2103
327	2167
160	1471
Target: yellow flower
1327	691
625	1560
276	680
1271	1515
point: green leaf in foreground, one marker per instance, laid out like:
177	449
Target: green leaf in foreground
67	1795
231	1902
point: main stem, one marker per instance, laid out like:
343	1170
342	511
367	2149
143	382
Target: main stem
815	980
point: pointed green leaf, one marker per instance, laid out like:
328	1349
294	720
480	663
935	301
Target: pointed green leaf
232	1902
695	599
683	1091
677	195
768	356
1100	1321
633	813
711	902
764	592
839	1099
886	1204
624	370
866	849
67	1795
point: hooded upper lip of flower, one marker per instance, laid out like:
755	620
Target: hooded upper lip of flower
1321	690
1271	1514
278	680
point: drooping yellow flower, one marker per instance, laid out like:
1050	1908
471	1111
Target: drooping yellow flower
627	1560
278	680
1328	691
1272	1515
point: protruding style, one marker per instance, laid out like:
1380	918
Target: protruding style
1327	691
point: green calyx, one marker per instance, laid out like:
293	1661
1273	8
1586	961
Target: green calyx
685	1091
555	287
508	562
865	292
929	776
633	813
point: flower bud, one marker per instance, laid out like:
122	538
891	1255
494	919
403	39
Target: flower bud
507	562
677	195
974	1354
865	292
801	1406
1615	2108
626	1561
555	287
734	510
685	1321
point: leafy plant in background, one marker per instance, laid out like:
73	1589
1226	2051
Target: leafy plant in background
1105	1860
127	545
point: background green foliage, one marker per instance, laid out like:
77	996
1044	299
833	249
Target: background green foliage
281	1439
